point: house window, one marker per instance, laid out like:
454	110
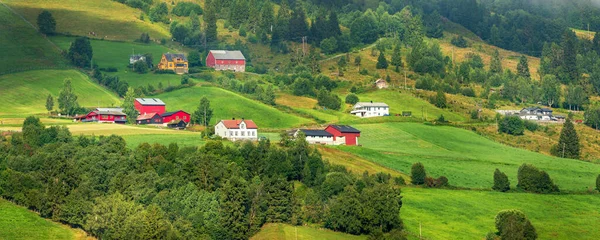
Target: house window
236	133
230	133
177	117
253	133
243	133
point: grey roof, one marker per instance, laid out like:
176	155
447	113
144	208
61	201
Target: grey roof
118	113
345	129
228	55
150	101
371	104
110	109
136	56
323	133
170	56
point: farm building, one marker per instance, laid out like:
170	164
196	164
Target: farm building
177	124
316	136
149	118
370	109
149	105
174	61
136	57
226	60
104	115
235	130
343	134
380	83
175	116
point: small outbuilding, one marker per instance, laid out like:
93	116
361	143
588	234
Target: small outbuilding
177	124
380	83
149	118
316	136
344	134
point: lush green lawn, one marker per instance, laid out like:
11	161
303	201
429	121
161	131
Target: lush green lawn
25	93
277	231
116	54
22	47
467	159
227	105
107	19
19	223
457	214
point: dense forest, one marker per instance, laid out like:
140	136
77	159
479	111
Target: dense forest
218	191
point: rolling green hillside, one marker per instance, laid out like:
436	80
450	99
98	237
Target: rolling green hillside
25	93
107	19
227	105
22	47
19	223
278	231
116	54
467	159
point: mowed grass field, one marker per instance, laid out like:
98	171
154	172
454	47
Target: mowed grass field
18	223
462	214
116	54
228	105
467	159
25	93
107	19
278	231
22	47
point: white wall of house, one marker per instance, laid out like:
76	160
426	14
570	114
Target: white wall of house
326	140
366	112
236	134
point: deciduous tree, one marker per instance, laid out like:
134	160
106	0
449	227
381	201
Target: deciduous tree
67	100
46	23
418	174
501	182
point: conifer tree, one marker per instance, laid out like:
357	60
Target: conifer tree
523	67
298	28
333	25
501	182
596	43
496	63
233	208
46	23
418	174
381	61
569	44
397	58
266	17
568	143
210	20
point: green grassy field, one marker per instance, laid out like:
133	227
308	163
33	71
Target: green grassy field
22	47
456	214
277	231
108	19
116	54
467	159
25	93
19	223
227	105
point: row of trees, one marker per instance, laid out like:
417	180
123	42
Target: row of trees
530	179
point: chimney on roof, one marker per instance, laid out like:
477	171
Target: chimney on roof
371	101
242	119
232	118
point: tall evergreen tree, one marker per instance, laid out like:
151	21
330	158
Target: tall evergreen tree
233	208
496	63
129	106
333	25
266	17
523	67
46	23
381	61
203	113
501	182
596	43
210	20
67	100
568	142
418	174
569	44
397	57
298	28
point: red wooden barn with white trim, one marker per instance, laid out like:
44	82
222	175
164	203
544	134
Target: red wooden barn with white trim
226	60
149	105
175	116
344	134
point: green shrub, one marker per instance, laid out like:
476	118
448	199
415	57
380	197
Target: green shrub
351	98
399	180
183	9
459	41
531	126
531	179
418	174
501	182
513	224
512	125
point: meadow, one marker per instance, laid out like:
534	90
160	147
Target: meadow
228	105
116	54
467	159
24	48
25	93
278	231
18	223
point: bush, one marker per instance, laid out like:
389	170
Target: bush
531	179
439	100
351	99
183	9
442	181
140	67
329	45
364	71
513	224
501	182
531	126
46	23
459	41
475	114
512	125
166	71
425	82
328	99
108	69
418	174
467	92
399	180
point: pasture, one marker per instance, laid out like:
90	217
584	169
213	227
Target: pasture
22	47
228	105
25	93
278	231
467	159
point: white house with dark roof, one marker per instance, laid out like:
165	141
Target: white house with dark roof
226	60
316	136
370	109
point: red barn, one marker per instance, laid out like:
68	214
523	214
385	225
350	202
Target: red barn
149	118
226	60
149	105
177	115
344	134
113	115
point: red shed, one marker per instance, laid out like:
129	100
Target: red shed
149	105
348	134
113	115
226	60
177	115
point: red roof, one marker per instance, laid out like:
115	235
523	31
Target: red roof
146	116
235	124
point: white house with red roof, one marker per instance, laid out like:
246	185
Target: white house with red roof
236	130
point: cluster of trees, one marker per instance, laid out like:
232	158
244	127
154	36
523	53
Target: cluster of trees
214	191
512	224
328	99
530	179
419	176
111	82
250	87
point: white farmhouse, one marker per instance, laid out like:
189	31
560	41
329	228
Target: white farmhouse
370	109
236	130
316	136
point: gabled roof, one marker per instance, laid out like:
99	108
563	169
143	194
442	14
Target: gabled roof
150	101
370	104
316	133
227	55
171	56
136	56
110	109
146	116
115	113
235	124
380	80
345	129
171	113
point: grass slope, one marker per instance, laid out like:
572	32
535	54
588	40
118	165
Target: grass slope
227	105
116	54
456	214
108	19
278	231
25	93
22	47
19	223
467	159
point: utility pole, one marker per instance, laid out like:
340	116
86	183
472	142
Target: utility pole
405	79
304	39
